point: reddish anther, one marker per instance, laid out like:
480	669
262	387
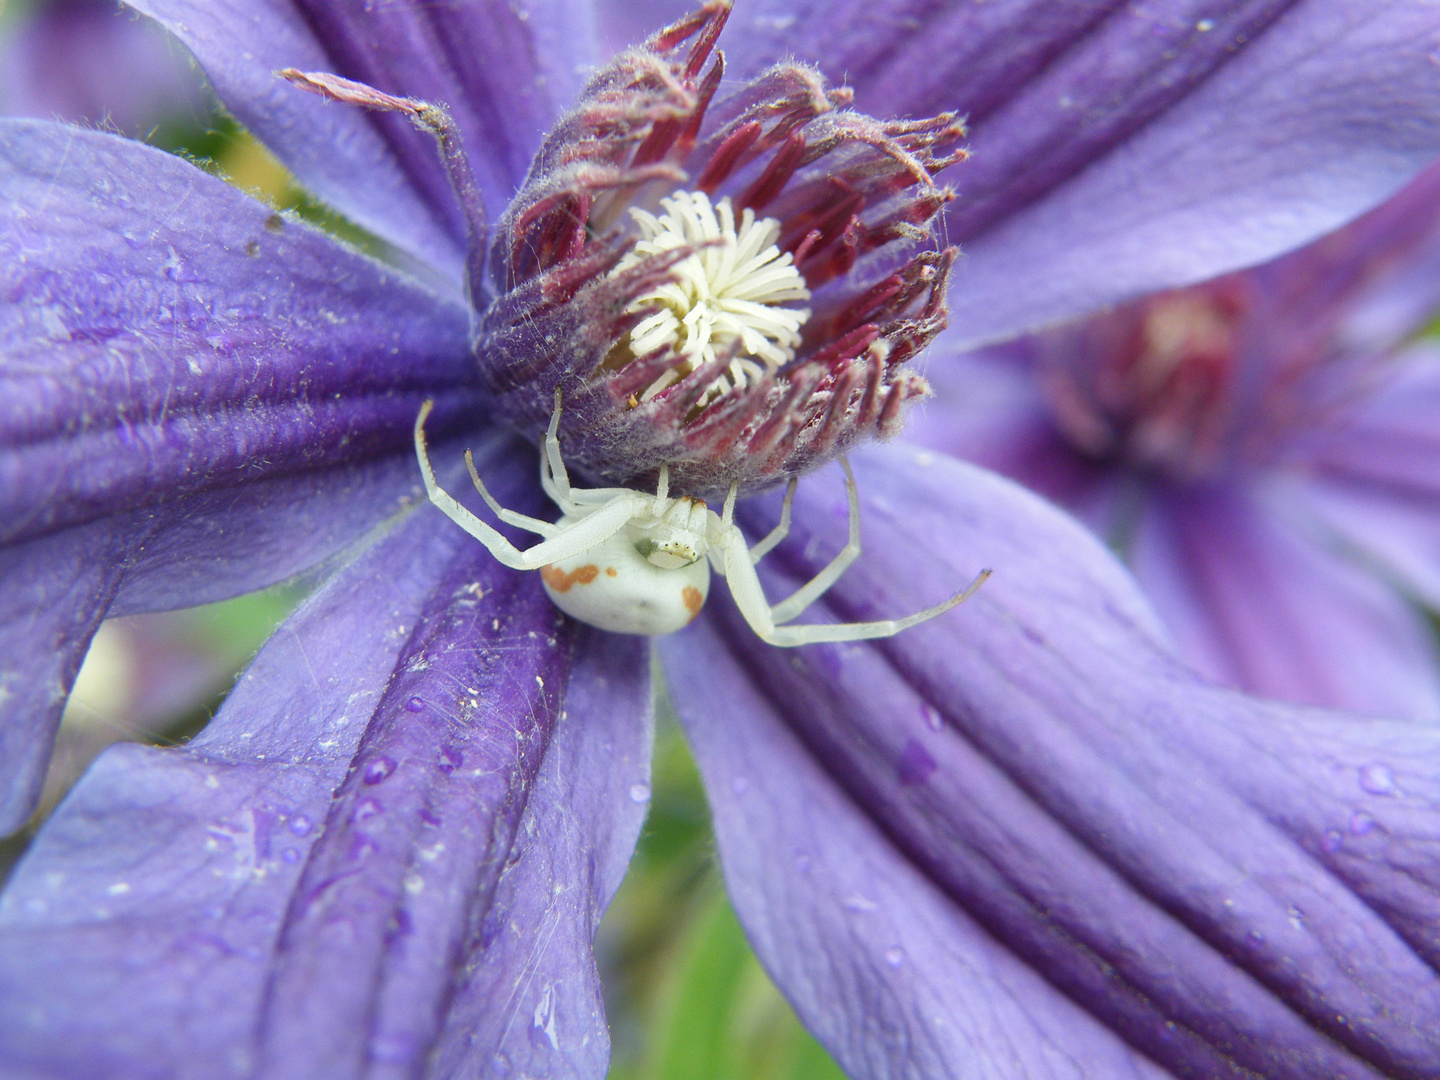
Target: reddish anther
723	161
686	27
676	136
716	15
776	175
805	246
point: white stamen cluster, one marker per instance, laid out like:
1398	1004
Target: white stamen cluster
725	295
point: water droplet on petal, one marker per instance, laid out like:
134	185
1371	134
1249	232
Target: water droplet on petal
290	855
933	720
378	770
300	825
364	810
1378	779
1361	823
895	957
915	765
1332	841
639	793
415	705
450	759
1256	936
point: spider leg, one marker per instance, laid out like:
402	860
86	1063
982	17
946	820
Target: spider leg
813	589
749	597
568	541
592	496
547	484
555	480
764	547
504	551
585	533
510	517
559	477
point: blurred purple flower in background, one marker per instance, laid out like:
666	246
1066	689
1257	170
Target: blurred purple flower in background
1022	840
1264	449
94	62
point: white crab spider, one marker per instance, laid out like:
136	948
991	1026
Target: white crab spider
634	563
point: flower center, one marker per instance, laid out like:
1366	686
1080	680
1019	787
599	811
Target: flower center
1152	384
721	307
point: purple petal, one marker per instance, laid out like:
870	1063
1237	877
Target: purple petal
1261	604
1362	290
164	334
53	594
1399	530
532	1005
1037	841
370	838
89	62
504	71
1392	439
1375	480
1161	142
55	589
989	409
883	967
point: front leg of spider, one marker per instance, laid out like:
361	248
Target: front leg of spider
635	563
738	564
568	538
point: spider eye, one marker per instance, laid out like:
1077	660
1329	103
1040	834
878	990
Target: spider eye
669	554
672	556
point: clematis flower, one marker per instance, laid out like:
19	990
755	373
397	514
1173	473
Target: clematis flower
1020	840
1261	448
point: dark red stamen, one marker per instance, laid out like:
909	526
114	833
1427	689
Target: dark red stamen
776	175
676	136
724	158
682	29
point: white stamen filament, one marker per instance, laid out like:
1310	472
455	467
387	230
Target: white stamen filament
727	293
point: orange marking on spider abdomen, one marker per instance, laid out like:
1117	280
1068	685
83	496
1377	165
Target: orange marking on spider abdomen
693	600
561	580
610	571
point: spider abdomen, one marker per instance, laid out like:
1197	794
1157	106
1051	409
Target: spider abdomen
614	587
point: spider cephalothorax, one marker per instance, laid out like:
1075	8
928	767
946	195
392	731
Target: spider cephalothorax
635	563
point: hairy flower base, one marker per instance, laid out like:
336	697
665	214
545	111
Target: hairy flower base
595	301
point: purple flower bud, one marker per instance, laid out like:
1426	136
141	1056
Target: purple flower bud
654	265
